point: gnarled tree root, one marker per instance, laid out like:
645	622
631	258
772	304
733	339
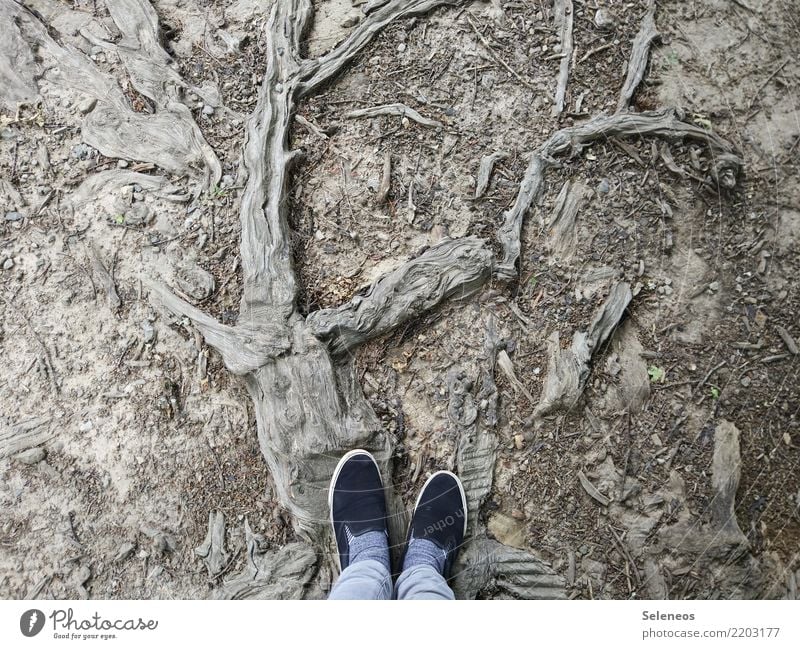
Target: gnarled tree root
666	123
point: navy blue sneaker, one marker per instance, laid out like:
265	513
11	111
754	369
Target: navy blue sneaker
440	518
358	507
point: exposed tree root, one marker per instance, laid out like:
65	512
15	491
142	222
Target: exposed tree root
452	268
309	408
395	110
568	369
169	137
485	172
666	123
639	55
308	403
562	238
563	22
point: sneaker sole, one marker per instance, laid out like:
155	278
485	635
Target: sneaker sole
347	456
460	488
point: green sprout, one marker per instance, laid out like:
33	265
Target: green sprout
671	59
218	192
656	374
714	392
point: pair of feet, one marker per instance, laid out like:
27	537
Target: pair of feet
360	523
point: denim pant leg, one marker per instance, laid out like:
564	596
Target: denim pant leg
422	582
366	579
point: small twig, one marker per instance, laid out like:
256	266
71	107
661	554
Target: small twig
33	593
386	178
787	339
626	554
45	352
627	456
596	50
218	463
228	565
592	490
764	85
708	375
395	110
104	276
311	128
496	57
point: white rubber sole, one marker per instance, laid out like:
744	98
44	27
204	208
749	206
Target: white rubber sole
336	472
460	488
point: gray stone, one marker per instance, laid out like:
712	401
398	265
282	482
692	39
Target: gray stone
604	20
507	530
31	456
138	214
14	216
193	280
208	110
86	106
124	551
81	151
8	264
149	331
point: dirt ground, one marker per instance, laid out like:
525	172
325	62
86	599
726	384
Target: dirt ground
120	430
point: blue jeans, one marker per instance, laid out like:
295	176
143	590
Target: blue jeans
369	579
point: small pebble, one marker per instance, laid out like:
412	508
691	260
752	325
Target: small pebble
31	456
122	164
8	264
149	331
208	110
80	151
14	216
603	187
86	105
604	20
124	551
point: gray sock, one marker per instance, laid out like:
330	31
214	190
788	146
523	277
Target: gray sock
422	552
370	545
